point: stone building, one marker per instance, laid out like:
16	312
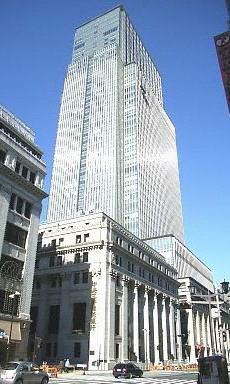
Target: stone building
22	174
201	335
101	295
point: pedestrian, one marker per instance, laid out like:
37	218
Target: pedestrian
67	364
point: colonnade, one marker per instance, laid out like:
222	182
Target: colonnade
149	323
204	338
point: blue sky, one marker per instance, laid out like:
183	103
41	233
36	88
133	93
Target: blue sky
36	46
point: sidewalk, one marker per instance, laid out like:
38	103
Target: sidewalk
81	373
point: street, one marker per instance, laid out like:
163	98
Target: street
148	377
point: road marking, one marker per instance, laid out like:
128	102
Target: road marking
102	380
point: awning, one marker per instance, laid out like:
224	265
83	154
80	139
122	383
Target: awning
15	332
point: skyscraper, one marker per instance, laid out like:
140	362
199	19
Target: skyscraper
116	147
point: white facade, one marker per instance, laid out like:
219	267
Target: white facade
115	297
22	174
180	257
116	147
201	335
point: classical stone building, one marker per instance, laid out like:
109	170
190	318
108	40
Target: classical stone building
201	333
22	174
101	295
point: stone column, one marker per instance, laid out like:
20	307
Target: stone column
65	322
209	340
5	195
124	331
43	311
178	332
204	336
228	341
217	336
197	327
164	329
191	335
111	316
156	329
172	328
146	326
136	322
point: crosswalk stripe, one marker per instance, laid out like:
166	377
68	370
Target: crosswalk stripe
98	380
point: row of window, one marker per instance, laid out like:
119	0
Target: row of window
20	205
20	169
19	141
81	277
141	255
55	281
110	31
59	259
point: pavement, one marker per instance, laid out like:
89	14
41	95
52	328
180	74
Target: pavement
106	377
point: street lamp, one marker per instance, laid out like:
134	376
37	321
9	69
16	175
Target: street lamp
225	287
11	296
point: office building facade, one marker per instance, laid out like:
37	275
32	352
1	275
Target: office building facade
22	174
116	147
101	295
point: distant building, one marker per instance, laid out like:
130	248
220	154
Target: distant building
101	295
22	174
116	147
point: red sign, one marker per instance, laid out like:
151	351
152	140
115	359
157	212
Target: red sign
223	52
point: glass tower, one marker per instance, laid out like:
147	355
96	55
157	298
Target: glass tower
116	147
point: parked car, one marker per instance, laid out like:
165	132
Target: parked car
127	370
20	372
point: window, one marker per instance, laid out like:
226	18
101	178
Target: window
85	277
77	350
15	235
17	167
12	200
61	240
37	263
24	172
130	248
19	205
77	258
129	268
53	243
54	314
59	260
86	237
80	45
78	239
32	177
79	316
117	319
51	261
28	208
2	156
77	278
110	31
85	257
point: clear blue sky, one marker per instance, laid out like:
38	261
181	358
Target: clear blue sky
35	49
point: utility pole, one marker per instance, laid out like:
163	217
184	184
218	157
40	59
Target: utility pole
220	328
